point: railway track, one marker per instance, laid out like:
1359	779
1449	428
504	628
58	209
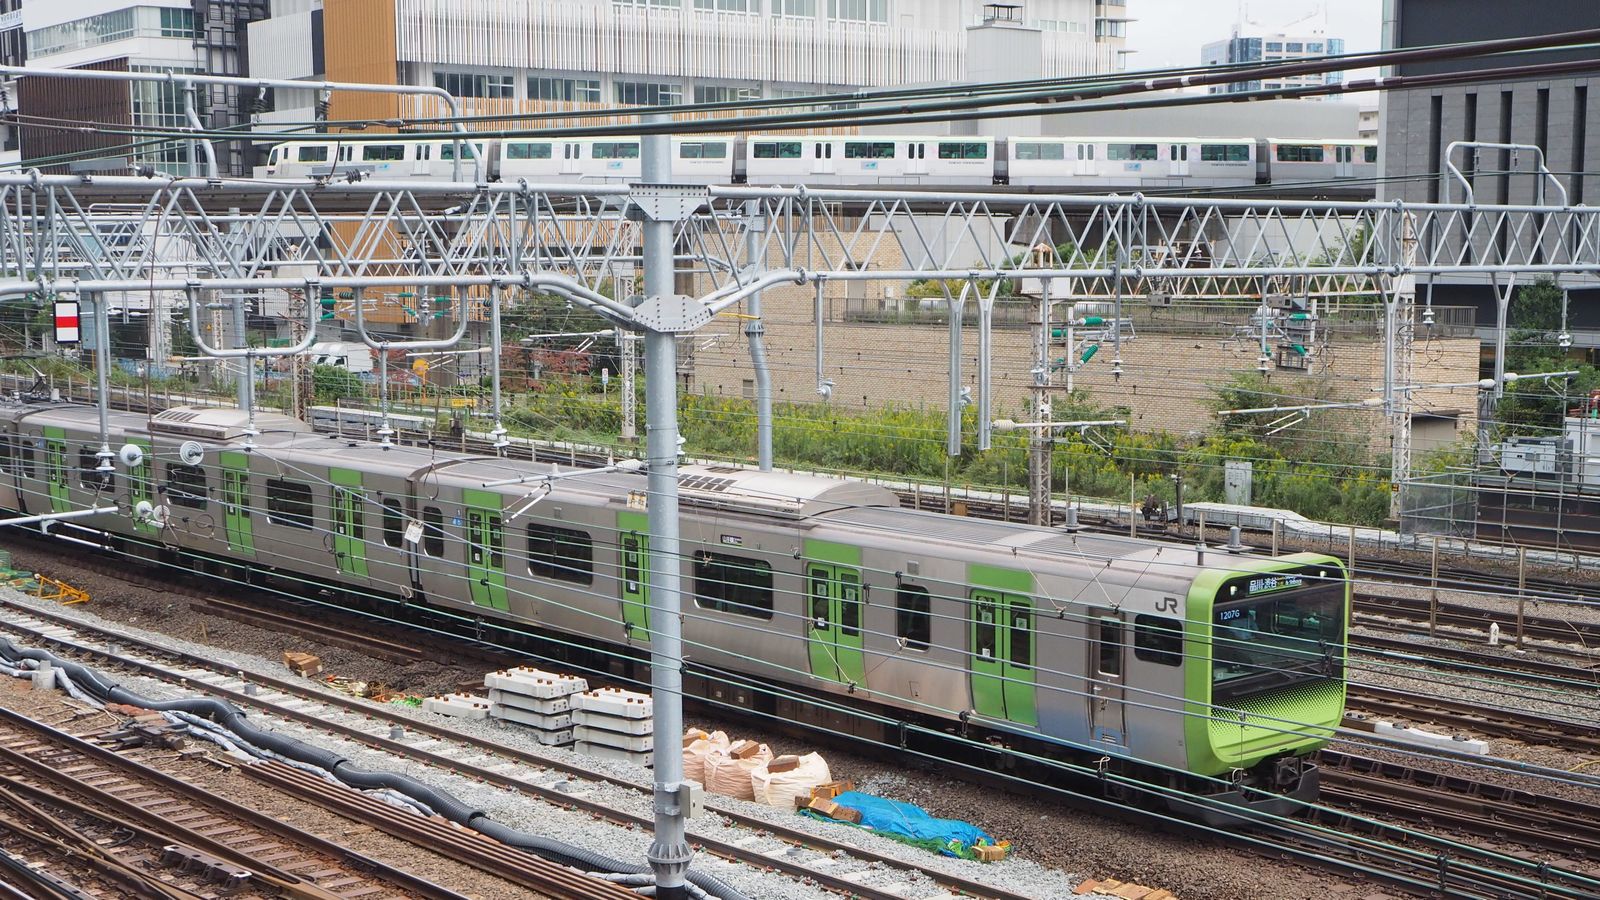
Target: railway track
1460	715
172	825
1487	812
1583	670
538	777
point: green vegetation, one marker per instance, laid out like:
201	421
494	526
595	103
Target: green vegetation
1536	406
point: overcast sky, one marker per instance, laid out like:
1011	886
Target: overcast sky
1171	32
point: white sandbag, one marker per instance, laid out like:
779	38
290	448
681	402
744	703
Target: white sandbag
781	788
730	777
699	750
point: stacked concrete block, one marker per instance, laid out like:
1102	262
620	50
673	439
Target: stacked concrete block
537	699
615	724
461	706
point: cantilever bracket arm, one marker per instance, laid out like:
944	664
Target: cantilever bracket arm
304	344
717	301
430	344
580	294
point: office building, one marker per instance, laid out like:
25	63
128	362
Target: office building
1271	48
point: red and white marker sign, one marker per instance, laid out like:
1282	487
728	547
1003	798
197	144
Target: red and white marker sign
66	321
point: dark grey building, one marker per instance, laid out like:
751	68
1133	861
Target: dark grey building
1559	115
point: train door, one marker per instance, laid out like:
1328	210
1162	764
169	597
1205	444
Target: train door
236	502
633	542
421	158
1085	159
1003	644
486	549
1180	159
349	522
141	481
917	158
822	157
1106	662
571	158
835	602
1344	162
57	477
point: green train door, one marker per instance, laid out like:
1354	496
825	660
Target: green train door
236	504
141	485
55	468
349	522
633	543
1002	643
834	598
486	549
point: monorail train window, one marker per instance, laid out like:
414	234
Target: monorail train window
963	150
869	149
1369	154
1299	153
778	150
393	523
312	154
383	152
913	618
89	474
1136	152
1109	647
1224	153
528	150
614	150
703	150
733	584
1158	640
448	151
290	504
432	531
1041	151
564	554
186	486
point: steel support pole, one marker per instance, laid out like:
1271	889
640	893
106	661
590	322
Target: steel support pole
102	362
498	433
755	331
957	305
1040	439
669	854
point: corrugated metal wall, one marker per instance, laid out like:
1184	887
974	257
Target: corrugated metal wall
359	40
70	101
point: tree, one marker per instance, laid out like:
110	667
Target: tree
335	383
1535	406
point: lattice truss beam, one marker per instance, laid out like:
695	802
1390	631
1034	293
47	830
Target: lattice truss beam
105	231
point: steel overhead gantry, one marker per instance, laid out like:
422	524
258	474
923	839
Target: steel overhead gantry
739	242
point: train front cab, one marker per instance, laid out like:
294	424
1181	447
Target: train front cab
1265	684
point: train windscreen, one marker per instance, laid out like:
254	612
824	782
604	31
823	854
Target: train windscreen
1276	640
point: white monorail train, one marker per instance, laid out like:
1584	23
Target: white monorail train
855	160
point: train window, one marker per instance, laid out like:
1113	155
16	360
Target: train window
1041	151
963	150
497	543
1109	647
432	531
290	503
350	519
448	151
25	457
778	150
5	453
1369	154
913	616
984	607
89	474
393	523
1299	153
1136	152
1158	640
869	149
1224	153
1021	638
564	554
703	150
528	150
312	154
614	150
186	486
733	584
383	152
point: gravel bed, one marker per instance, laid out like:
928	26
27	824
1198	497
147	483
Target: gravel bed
171	615
19	695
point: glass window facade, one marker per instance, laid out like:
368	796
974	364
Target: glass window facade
570	90
717	93
859	10
796	8
648	93
117	25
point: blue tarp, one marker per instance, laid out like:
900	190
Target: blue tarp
910	822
